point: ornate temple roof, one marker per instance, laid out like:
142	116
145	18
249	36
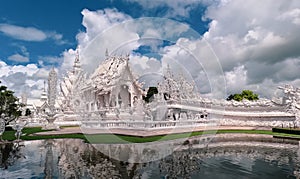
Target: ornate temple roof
109	73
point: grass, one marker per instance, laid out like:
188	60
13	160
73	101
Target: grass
10	135
111	138
26	135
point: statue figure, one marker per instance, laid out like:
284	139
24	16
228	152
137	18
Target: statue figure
291	98
2	126
18	126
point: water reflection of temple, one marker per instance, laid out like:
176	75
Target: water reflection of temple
72	158
49	163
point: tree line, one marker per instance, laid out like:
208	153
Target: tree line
10	108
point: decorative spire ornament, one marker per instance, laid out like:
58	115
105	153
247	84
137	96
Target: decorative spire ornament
106	53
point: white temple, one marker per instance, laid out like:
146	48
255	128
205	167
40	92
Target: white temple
47	103
111	97
111	85
69	88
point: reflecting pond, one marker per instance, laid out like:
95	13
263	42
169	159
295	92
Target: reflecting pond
225	156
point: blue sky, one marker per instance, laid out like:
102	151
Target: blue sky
250	48
64	18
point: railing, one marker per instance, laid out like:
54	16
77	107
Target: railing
146	124
226	107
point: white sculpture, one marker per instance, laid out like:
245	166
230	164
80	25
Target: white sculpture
18	126
2	125
291	98
52	85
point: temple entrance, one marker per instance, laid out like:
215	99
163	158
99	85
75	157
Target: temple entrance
124	96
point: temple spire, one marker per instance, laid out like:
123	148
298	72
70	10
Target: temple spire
77	66
106	53
44	94
44	90
52	85
168	72
77	61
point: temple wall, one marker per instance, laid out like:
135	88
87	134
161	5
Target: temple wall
259	121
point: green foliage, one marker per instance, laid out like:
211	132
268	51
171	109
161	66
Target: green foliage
151	91
27	112
8	104
246	94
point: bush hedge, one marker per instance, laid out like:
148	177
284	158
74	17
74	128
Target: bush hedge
286	130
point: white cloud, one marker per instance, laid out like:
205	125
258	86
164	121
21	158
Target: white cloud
23	33
23	78
18	58
236	79
264	40
120	34
50	60
198	63
142	65
21	57
99	36
256	47
30	33
96	22
292	15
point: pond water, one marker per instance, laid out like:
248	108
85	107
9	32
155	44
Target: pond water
226	156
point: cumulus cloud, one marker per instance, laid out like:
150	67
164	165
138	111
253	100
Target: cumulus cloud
293	15
143	65
236	78
258	48
120	34
18	58
99	36
264	40
21	57
50	60
23	78
198	63
96	22
30	33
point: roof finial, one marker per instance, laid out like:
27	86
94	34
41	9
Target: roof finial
44	86
168	72
76	65
77	55
106	53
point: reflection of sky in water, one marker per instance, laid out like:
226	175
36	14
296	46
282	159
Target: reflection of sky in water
30	164
62	157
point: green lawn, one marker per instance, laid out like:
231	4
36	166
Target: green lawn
10	135
111	138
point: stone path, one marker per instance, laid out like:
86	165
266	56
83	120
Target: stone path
147	132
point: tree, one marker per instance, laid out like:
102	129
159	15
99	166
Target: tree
151	91
27	112
246	94
9	106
